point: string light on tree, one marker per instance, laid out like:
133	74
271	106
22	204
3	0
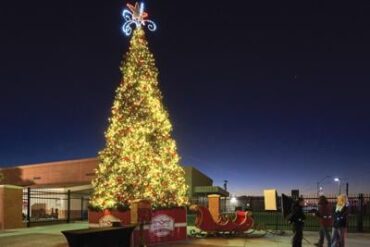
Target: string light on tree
140	159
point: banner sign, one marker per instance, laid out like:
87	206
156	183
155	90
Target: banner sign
162	225
167	225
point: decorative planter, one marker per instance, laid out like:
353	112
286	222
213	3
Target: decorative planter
167	225
96	216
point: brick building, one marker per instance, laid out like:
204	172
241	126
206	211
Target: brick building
50	182
77	175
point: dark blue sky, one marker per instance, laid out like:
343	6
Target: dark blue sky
267	94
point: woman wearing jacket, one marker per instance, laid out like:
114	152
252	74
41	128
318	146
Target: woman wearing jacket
340	222
325	215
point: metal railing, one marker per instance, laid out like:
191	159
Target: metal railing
358	219
43	206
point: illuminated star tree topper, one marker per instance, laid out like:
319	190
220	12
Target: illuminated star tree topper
135	15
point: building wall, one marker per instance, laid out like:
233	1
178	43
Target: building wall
65	173
78	172
195	178
51	181
188	178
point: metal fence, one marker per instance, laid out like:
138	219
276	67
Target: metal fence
358	219
45	206
203	201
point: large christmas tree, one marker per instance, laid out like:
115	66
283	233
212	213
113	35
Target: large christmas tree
140	159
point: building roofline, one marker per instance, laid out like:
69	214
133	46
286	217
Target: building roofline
192	167
211	190
50	163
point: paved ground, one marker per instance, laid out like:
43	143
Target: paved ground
50	236
268	241
44	236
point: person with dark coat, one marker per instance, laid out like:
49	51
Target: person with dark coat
325	215
297	218
340	222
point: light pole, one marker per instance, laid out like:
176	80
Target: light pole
319	188
225	184
340	183
338	180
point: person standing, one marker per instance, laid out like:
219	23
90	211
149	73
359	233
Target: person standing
340	222
325	215
297	218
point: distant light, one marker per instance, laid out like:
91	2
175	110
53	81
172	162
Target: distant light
336	180
233	200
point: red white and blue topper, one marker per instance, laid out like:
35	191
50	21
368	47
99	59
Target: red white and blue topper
135	15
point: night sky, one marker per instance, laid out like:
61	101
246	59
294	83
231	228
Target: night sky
262	93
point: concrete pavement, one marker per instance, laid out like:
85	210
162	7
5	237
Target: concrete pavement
354	240
50	236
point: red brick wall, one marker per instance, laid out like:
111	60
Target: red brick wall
10	207
55	173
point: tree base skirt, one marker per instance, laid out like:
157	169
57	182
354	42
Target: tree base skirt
167	225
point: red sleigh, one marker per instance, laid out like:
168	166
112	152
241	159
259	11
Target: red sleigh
205	222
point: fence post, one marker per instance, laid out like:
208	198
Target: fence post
360	217
28	207
82	208
68	206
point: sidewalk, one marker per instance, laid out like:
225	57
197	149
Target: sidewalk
354	240
50	236
42	236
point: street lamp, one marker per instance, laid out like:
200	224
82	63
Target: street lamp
233	200
340	183
338	180
319	188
